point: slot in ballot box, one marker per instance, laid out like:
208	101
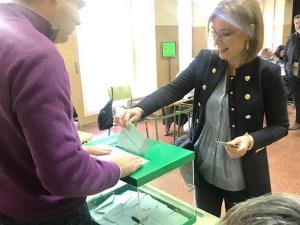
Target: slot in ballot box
154	194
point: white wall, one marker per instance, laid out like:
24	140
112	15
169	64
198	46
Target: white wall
116	45
185	22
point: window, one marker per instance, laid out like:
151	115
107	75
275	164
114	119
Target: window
116	45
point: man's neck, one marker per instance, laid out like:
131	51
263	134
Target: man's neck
39	7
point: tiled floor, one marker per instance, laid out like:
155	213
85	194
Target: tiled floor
284	162
284	158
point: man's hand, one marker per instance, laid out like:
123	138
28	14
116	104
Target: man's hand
96	150
128	164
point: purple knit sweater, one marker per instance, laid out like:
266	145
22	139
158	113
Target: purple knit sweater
44	173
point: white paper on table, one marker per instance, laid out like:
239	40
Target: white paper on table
132	140
116	150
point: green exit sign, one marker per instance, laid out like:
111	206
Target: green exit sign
168	49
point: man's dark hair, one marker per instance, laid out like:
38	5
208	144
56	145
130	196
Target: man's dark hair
297	16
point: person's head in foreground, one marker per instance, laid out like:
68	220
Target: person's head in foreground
265	210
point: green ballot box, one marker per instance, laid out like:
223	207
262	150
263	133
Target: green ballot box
154	194
161	157
128	205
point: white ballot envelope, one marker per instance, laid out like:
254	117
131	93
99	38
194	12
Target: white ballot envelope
115	150
132	140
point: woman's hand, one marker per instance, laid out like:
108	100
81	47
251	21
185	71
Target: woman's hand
131	115
239	146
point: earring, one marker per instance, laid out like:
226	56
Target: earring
247	45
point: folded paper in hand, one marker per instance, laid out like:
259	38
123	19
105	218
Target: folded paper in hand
132	140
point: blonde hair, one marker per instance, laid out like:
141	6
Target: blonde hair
246	15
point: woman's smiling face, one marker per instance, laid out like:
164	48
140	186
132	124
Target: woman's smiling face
229	40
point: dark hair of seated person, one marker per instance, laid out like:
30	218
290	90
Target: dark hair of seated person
265	210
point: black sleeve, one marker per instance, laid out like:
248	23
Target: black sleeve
285	56
174	90
274	95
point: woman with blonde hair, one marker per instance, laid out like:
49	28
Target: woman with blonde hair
234	91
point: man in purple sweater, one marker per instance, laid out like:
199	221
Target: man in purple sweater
45	175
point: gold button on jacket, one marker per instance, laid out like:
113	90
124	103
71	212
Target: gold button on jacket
247	96
247	78
248	117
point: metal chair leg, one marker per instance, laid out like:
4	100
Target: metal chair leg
156	129
146	125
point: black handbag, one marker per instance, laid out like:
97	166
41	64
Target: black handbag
105	117
185	142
